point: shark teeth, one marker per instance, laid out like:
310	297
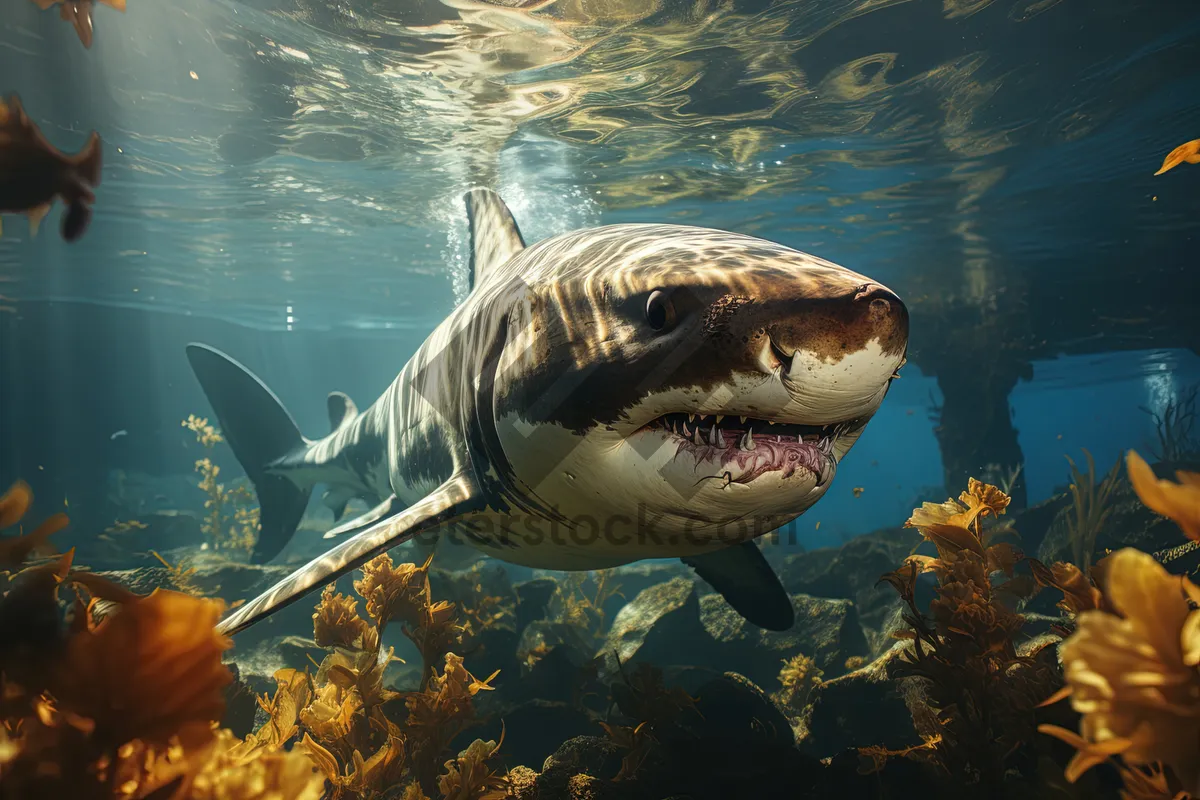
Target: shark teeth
747	440
696	439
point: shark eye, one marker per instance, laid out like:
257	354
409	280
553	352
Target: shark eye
660	312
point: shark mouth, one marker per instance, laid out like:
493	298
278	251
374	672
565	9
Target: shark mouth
755	446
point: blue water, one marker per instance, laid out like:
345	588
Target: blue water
295	167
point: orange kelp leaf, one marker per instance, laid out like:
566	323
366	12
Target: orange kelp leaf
1179	502
1002	557
150	671
904	579
14	503
1079	594
933	514
336	622
322	758
952	538
14	551
1089	753
989	498
103	588
1188	151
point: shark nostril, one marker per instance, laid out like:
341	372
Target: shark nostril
782	357
880	307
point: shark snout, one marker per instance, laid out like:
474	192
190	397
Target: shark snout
869	316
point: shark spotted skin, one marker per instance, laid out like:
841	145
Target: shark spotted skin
601	397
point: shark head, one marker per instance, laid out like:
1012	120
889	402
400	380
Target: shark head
692	377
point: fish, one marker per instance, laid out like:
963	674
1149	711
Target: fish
34	172
1188	151
600	397
79	14
118	434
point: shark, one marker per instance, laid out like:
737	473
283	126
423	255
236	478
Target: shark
603	396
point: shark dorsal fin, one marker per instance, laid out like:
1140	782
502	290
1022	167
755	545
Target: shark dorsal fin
494	234
341	410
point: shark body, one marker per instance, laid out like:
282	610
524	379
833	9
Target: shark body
601	397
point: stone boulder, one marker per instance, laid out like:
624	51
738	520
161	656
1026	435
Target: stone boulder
861	708
826	630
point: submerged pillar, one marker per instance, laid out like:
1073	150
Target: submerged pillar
975	429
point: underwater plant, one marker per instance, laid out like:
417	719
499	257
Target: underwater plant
1132	663
122	701
642	695
370	741
580	611
233	520
181	576
1175	427
798	677
964	657
1090	510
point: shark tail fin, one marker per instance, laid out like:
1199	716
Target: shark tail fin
260	432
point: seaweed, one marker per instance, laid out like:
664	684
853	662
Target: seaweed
122	700
581	612
370	741
963	656
798	677
1090	509
1175	427
181	576
232	520
1132	663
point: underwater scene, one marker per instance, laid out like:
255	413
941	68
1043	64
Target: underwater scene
599	399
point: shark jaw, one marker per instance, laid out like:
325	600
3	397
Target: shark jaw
741	449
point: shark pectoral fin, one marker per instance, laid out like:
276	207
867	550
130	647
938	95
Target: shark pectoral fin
388	508
453	498
335	500
744	578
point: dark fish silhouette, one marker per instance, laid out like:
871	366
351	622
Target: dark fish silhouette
34	172
79	14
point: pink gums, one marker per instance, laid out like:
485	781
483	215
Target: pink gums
768	455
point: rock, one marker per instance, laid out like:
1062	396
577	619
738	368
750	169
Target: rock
214	575
861	708
241	702
852	572
533	600
562	674
661	625
130	540
733	708
493	648
522	783
276	653
632	579
584	755
532	730
826	630
1129	524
